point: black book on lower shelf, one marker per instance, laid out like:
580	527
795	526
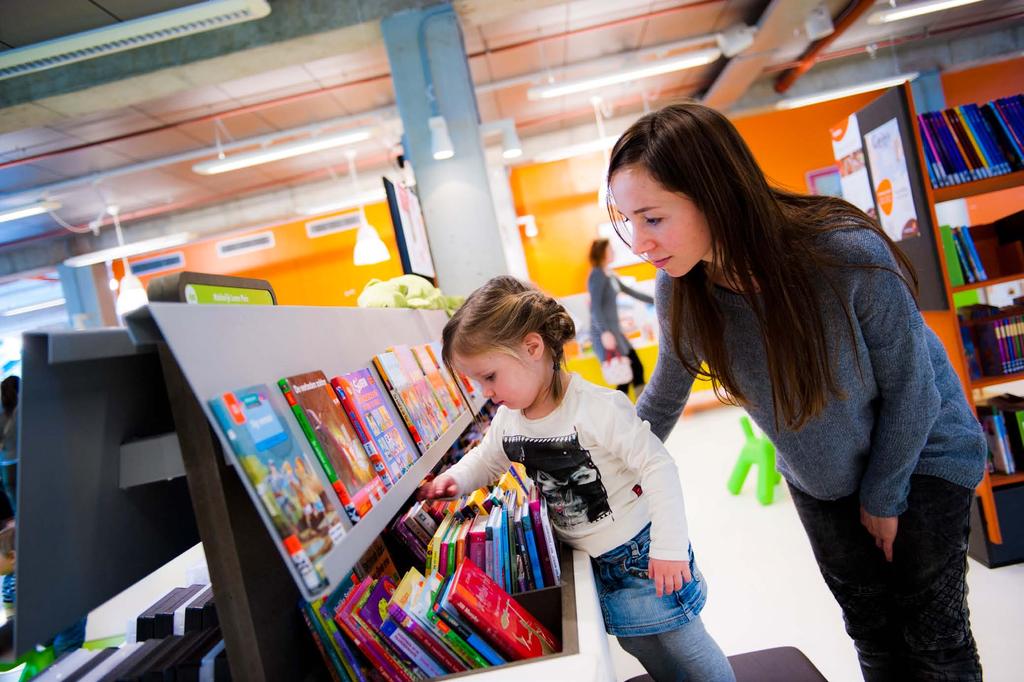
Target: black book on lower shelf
145	650
163	622
145	624
201	613
89	665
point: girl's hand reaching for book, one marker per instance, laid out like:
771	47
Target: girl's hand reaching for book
668	576
440	486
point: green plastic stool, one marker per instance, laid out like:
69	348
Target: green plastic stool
760	451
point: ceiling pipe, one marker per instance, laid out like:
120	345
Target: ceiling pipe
895	42
846	19
300	96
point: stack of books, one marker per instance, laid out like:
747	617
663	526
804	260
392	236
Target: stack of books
994	338
969	142
1003	419
962	259
423	626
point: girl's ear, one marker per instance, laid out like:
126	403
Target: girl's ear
533	344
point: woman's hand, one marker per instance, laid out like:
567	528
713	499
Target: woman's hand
882	529
608	341
441	486
668	576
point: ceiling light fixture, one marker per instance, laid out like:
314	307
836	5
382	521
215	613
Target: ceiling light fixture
33	307
512	148
817	98
30	210
440	142
278	152
679	63
370	249
915	9
127	250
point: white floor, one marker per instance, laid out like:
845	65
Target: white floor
764	586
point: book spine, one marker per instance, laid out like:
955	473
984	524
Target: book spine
972	138
445	658
404	643
549	538
460	646
951	147
1001	129
451	618
334	667
969	240
962	145
948	173
984	135
348	657
542	546
363	433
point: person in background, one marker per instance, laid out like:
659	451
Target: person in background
804	312
9	442
605	332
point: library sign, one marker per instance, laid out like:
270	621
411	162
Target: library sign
210	294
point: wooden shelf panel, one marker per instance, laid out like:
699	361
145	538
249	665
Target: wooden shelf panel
999	480
970	189
995	381
989	282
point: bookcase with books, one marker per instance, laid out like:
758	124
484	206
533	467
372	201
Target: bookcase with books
305	513
957	153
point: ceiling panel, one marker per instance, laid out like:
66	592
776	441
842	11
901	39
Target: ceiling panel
238	128
133	9
154	145
106	125
188	104
82	162
270	85
32	141
305	111
26	23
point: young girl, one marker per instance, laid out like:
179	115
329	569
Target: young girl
799	309
611	487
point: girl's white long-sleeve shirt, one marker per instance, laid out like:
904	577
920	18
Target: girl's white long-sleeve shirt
602	471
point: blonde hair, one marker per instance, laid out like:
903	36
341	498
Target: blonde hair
498	315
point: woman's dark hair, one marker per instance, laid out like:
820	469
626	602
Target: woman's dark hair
498	315
763	240
9	393
598	250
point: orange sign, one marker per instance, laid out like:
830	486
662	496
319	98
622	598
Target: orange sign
883	194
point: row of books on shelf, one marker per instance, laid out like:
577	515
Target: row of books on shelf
177	638
993	338
505	530
972	142
365	429
1003	420
962	259
458	613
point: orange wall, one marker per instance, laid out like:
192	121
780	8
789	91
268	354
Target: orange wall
980	85
562	196
303	271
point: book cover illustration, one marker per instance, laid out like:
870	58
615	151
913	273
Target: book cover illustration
451	407
332	430
371	407
433	349
280	477
417	394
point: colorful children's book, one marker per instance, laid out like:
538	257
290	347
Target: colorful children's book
411	583
366	641
369	404
508	626
322	417
374	614
412	397
376	562
282	481
447	614
421	605
442	393
433	410
434	351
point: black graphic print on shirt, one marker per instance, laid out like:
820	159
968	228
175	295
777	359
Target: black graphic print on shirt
567	477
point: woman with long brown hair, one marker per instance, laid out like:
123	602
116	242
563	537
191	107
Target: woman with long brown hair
804	313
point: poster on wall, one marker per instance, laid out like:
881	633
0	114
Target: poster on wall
410	231
896	210
824	182
848	152
621	254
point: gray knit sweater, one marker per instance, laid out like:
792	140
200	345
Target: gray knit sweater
905	414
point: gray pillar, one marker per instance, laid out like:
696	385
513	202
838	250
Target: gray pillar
87	296
457	208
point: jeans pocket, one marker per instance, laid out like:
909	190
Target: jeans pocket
638	565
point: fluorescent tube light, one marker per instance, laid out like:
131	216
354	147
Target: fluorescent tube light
796	102
281	151
915	9
370	197
657	68
31	210
34	307
133	249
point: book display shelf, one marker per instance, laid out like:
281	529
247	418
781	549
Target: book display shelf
889	130
203	351
997	529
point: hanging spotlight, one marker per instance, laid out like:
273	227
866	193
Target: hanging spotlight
440	141
512	148
369	249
